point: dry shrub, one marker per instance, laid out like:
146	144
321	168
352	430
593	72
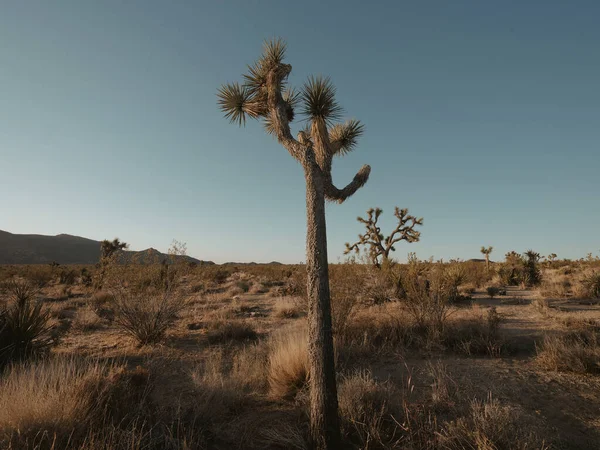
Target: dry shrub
428	302
288	362
542	306
443	387
367	410
591	284
575	351
224	331
374	330
555	285
147	317
289	307
86	319
477	334
488	426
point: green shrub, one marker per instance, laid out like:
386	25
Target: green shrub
24	324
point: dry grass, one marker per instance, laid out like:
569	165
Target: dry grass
575	351
489	426
288	307
230	330
288	362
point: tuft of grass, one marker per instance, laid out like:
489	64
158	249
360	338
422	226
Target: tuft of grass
574	351
288	308
367	407
223	331
489	425
147	317
288	368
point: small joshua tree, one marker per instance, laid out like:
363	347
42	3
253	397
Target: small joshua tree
486	252
108	252
109	248
265	96
379	247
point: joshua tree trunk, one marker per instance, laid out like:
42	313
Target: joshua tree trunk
325	429
487	262
263	96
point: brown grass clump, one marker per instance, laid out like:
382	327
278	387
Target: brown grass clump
476	334
147	317
288	368
87	320
288	307
57	403
488	426
575	351
223	331
367	410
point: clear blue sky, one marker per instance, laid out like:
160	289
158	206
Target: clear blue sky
481	116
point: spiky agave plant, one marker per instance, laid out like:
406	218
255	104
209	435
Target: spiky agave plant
265	95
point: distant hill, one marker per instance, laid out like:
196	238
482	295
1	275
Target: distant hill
67	249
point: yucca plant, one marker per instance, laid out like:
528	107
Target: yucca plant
24	324
265	96
591	283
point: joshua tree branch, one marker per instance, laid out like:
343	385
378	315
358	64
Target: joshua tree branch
339	195
277	111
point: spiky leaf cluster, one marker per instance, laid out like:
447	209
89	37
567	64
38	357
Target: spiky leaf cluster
316	100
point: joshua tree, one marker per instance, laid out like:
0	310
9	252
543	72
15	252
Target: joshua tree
109	248
264	95
380	247
486	252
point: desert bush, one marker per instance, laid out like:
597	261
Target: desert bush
488	426
223	331
478	334
492	291
373	330
428	303
575	351
67	276
289	307
288	368
367	410
147	317
591	284
24	324
86	320
243	285
555	286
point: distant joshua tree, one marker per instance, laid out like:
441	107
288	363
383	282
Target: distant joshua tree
109	248
380	246
486	252
264	95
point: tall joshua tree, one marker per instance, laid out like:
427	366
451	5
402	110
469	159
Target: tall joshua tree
486	252
265	96
380	246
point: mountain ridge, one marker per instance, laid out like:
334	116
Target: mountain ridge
67	249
